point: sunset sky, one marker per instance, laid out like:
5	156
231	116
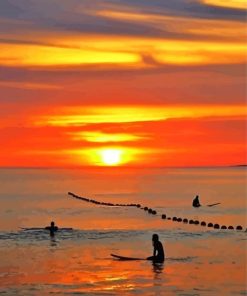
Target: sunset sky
122	82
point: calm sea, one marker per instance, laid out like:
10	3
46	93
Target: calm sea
200	260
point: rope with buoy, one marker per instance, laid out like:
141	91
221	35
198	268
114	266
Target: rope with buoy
154	212
103	203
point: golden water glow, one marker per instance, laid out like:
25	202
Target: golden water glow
241	4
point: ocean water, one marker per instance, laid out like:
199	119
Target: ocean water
199	260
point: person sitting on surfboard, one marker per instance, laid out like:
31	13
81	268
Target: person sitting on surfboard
52	228
196	203
158	253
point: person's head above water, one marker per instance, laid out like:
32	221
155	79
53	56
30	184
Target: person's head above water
155	237
52	223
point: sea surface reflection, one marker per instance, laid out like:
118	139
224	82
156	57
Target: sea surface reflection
77	261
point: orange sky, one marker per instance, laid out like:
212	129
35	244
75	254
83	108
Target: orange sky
131	83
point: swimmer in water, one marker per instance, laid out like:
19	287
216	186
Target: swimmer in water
52	228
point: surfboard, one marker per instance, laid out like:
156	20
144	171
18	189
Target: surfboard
215	204
123	258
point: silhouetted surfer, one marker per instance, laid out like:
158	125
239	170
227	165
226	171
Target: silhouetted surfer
52	228
196	203
158	253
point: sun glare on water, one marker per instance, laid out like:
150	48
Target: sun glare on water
111	156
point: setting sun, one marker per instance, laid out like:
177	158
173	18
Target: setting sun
111	156
107	156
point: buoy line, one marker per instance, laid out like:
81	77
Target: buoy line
154	212
103	203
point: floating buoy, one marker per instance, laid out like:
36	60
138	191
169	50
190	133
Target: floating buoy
179	219
216	226
239	227
138	205
203	223
185	220
163	216
196	222
191	222
230	227
210	224
174	219
223	227
150	211
154	212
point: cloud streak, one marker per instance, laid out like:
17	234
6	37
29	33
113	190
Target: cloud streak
119	33
123	114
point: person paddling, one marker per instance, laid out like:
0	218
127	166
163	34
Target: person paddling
196	203
158	252
52	228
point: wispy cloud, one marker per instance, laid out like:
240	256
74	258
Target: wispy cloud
123	51
189	28
29	85
134	33
235	4
101	137
95	115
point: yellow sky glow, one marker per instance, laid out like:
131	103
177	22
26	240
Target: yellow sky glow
114	50
38	55
105	156
100	137
181	52
113	83
79	116
241	4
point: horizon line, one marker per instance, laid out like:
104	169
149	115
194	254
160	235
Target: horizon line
121	167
